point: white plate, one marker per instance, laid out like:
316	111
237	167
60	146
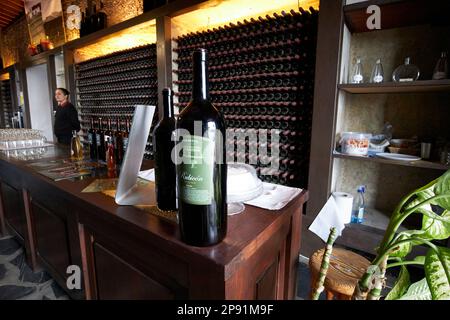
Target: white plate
397	156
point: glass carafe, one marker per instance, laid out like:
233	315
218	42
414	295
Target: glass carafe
441	68
357	75
377	73
406	72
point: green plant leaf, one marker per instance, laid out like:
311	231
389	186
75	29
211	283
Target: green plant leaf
421	196
435	228
443	187
437	264
420	259
418	291
403	249
400	286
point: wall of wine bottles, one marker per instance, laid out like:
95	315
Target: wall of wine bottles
261	74
6	104
110	87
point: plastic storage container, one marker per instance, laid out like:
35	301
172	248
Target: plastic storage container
355	143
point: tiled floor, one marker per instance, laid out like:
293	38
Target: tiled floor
18	282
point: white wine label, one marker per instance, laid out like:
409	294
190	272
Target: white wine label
196	174
378	79
357	78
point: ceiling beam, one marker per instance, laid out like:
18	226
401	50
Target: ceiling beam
13	7
13	3
8	15
8	10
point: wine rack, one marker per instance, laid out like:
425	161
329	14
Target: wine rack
109	88
261	74
6	103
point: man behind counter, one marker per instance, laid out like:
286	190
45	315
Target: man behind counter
66	117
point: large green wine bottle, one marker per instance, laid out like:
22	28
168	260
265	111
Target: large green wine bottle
202	173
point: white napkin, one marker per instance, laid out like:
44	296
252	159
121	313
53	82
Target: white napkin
147	175
274	196
328	217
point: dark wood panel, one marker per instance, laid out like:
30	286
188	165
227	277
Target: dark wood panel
14	210
51	238
116	279
266	286
397	13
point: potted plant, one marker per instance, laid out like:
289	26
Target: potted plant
432	201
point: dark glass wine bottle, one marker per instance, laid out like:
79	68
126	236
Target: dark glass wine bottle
101	146
165	174
202	175
118	143
92	139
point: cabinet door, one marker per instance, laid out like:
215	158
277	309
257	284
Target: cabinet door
56	244
117	279
51	238
14	209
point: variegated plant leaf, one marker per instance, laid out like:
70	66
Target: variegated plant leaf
435	228
437	265
443	187
401	285
418	291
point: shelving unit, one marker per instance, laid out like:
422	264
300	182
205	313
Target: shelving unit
398	87
408	28
417	164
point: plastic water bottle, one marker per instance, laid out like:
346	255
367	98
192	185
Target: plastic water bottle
359	206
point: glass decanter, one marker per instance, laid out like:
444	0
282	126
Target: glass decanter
377	73
357	75
441	68
406	72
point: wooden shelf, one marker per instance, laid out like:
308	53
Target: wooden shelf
397	13
171	9
416	164
398	87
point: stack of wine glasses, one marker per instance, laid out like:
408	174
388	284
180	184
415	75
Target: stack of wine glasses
261	74
110	87
6	103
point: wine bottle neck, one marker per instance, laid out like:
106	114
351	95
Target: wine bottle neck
167	103
200	78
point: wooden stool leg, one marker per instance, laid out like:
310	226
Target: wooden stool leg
330	295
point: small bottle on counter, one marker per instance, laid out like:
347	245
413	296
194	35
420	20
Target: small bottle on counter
76	150
359	206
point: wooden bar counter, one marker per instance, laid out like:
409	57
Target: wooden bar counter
126	253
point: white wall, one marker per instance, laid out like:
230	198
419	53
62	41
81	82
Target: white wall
40	100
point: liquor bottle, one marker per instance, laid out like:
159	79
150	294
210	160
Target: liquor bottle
441	69
165	174
83	25
118	145
101	146
101	20
202	175
92	139
93	19
76	150
125	135
110	159
406	72
108	134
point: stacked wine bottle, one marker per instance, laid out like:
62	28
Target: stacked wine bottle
6	103
261	74
109	88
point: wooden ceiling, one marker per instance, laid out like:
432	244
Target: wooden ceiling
9	11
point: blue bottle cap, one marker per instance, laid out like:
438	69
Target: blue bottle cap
362	189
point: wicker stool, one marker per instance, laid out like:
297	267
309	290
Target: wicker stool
344	271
